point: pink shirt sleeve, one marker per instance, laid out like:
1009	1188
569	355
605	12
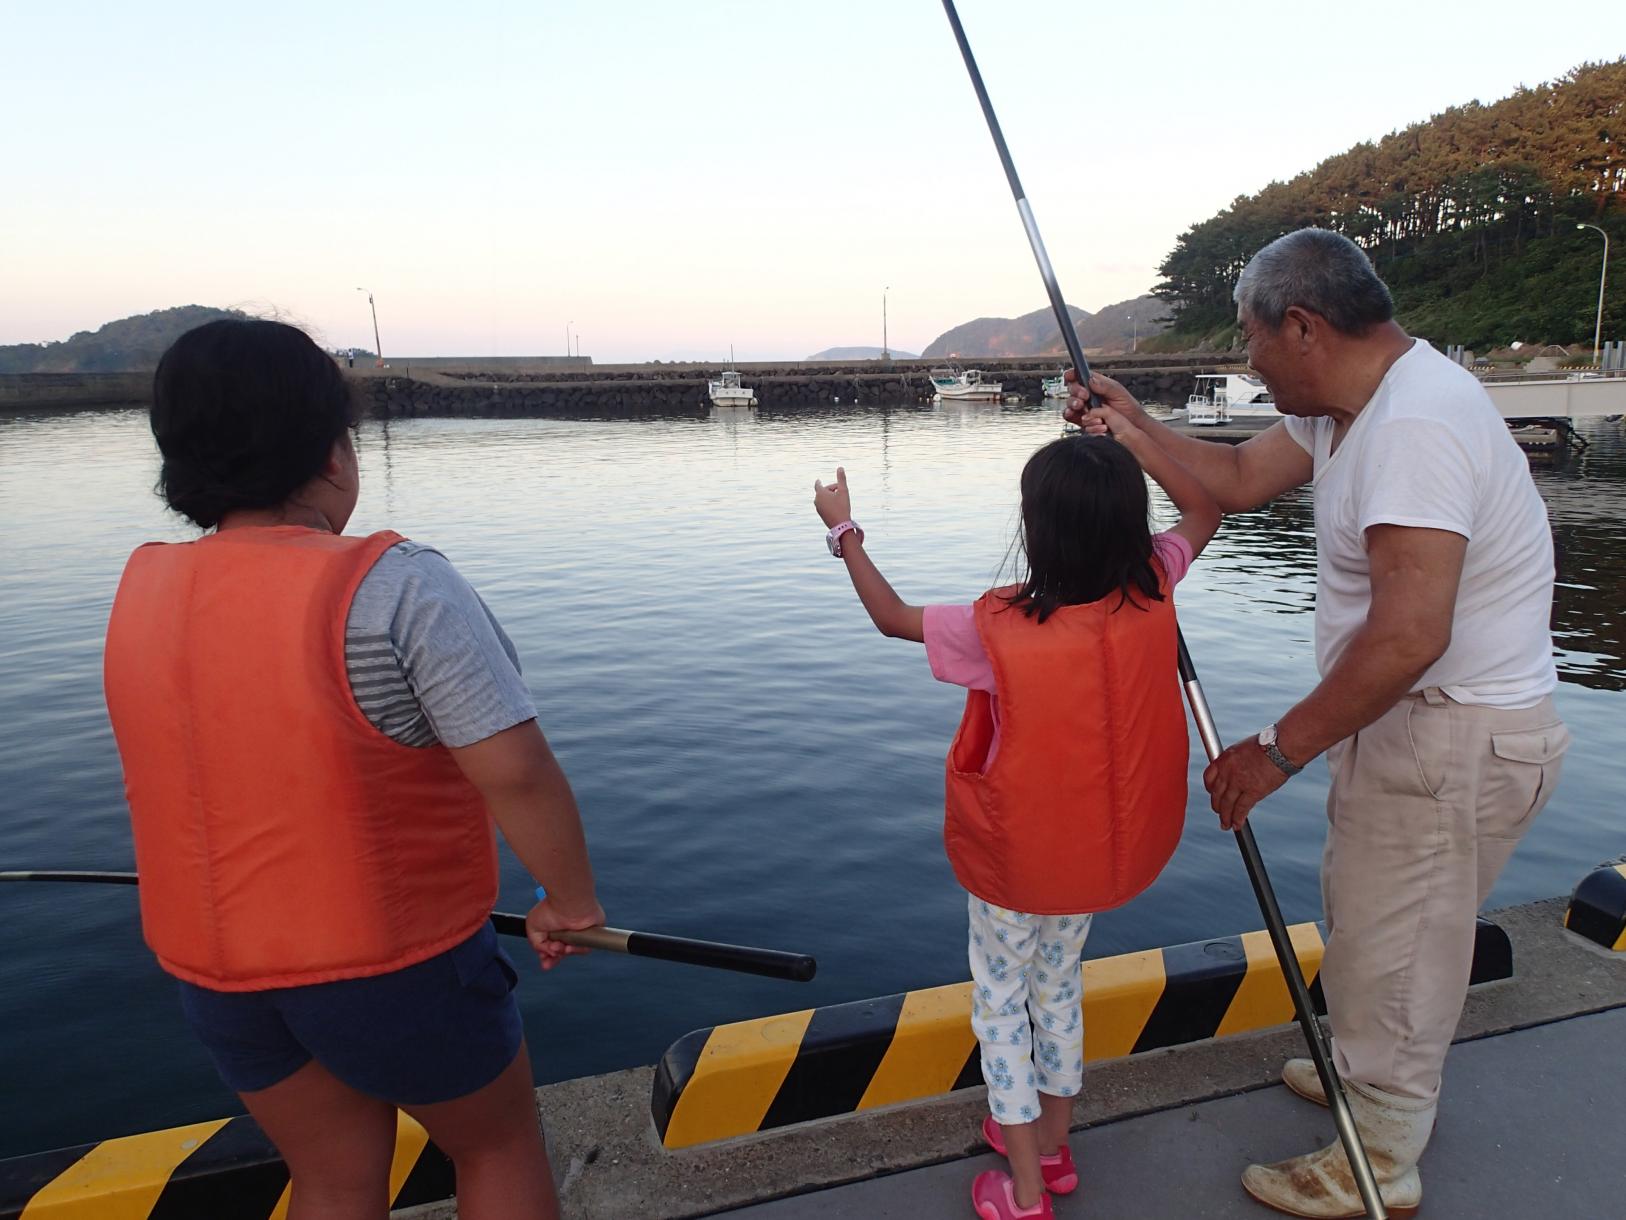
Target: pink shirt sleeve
954	649
1175	554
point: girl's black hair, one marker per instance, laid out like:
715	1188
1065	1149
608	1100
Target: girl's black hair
1084	530
245	413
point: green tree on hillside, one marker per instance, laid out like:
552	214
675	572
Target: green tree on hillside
1470	217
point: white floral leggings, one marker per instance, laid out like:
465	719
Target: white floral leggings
1026	989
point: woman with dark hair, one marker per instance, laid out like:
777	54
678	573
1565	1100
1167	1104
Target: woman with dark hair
317	733
1066	783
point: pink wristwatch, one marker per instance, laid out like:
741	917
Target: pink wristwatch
833	538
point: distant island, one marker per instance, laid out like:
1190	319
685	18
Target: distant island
859	353
130	345
1114	328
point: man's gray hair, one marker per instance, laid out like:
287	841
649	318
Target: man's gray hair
1318	270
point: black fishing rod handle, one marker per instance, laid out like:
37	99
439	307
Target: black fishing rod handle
744	959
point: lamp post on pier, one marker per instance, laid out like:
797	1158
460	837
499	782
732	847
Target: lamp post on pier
1134	333
378	345
1603	274
568	325
886	348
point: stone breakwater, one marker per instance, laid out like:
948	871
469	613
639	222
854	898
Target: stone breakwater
651	391
454	388
66	391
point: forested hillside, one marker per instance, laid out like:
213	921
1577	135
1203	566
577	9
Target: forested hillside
130	345
1470	218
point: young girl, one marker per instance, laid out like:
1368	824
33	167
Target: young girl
1066	786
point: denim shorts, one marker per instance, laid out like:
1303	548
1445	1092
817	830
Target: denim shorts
432	1032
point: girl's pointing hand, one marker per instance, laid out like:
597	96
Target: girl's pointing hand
833	503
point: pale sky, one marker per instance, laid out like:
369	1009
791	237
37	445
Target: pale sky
671	178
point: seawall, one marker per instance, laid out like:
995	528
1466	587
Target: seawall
449	386
682	388
21	392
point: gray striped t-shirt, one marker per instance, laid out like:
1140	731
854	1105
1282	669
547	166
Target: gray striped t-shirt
427	660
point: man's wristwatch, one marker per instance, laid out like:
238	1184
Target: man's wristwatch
833	538
1267	743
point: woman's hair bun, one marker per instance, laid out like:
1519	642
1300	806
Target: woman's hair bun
245	413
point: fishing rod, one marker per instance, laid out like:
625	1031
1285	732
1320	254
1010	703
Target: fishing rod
1365	1180
743	959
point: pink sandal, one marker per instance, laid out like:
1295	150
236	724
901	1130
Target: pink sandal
994	1197
1060	1177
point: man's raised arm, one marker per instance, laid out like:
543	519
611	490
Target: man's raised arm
1239	477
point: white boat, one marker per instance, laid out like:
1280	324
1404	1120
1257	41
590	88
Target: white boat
1055	387
953	385
1221	397
727	391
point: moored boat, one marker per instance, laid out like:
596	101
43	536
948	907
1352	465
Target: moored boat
1221	396
727	391
952	384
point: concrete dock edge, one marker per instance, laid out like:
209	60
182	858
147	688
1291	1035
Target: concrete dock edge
610	1164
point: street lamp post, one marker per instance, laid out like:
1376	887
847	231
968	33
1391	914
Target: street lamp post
378	345
1134	333
886	348
1603	274
568	325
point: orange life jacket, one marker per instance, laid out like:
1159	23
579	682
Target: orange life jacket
281	838
1085	799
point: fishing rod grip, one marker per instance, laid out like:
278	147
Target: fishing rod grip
742	959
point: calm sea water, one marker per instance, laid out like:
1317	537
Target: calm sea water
754	763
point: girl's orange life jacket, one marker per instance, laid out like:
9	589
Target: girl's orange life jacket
1085	800
281	839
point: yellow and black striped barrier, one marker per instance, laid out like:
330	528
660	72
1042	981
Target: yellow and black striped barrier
207	1171
752	1076
1597	909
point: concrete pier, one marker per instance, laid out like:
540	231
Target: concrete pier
1168	1131
1543	436
1511	1142
1524	1128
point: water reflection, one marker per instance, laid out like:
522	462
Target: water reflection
1267	555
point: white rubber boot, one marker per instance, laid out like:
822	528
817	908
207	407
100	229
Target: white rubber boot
1321	1186
1300	1076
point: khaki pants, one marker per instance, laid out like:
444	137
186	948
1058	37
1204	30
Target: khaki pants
1427	805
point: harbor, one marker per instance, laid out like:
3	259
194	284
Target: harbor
501	785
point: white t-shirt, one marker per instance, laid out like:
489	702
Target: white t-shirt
1430	450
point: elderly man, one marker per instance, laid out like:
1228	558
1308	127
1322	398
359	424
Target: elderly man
1434	582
